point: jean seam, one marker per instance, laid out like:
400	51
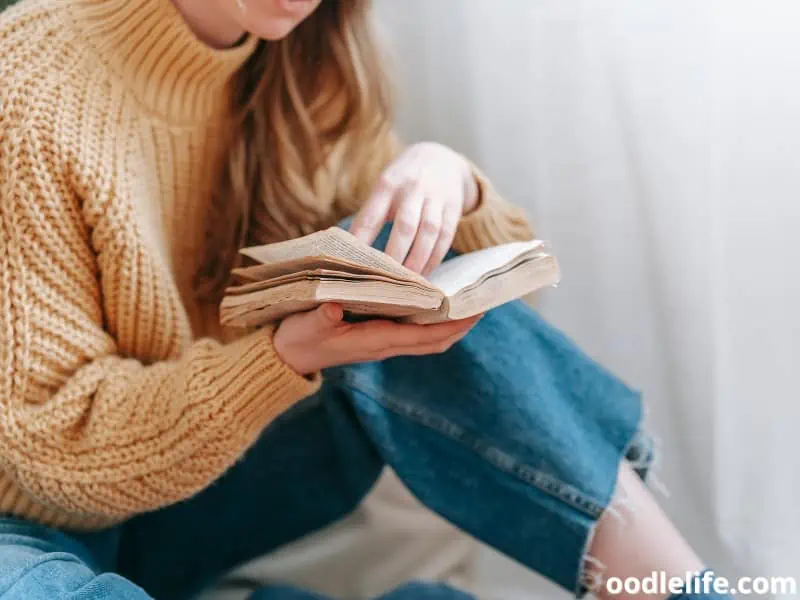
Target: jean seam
495	456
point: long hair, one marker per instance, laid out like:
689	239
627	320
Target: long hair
307	116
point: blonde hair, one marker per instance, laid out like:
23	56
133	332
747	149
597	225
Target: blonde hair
307	114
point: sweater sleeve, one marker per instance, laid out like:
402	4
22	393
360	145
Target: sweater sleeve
83	429
494	221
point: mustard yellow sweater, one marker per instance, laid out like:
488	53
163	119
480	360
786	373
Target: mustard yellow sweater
118	393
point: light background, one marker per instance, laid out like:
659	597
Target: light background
657	144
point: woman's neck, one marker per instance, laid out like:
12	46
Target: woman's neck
210	22
153	51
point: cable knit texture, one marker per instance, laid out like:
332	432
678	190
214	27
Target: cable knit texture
119	394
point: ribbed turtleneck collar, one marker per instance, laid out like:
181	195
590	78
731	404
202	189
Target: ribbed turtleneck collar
151	47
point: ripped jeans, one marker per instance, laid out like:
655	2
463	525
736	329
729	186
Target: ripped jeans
514	435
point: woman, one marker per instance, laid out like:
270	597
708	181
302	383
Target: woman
142	143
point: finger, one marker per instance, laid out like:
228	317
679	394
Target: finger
463	326
379	335
447	233
406	222
333	313
437	347
466	325
370	219
325	317
430	225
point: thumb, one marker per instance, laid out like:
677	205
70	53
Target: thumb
326	316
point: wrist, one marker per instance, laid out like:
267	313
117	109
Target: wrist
283	351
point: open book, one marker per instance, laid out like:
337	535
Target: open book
334	266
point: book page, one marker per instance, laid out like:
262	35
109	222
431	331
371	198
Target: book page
333	265
466	270
536	271
329	275
336	243
273	270
388	300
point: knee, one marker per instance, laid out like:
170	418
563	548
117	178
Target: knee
34	570
426	591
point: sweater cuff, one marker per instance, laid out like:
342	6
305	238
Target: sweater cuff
494	220
254	384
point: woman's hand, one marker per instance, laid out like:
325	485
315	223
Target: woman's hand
425	191
317	339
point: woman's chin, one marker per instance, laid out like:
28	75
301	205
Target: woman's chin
275	30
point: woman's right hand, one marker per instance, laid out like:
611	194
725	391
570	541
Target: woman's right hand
317	339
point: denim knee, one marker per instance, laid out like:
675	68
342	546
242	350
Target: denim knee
37	563
417	590
408	591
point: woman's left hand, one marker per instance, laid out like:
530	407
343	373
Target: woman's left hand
424	192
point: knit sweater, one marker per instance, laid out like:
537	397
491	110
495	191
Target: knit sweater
118	392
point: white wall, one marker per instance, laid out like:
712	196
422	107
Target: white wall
656	143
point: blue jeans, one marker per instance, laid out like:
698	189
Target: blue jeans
514	435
